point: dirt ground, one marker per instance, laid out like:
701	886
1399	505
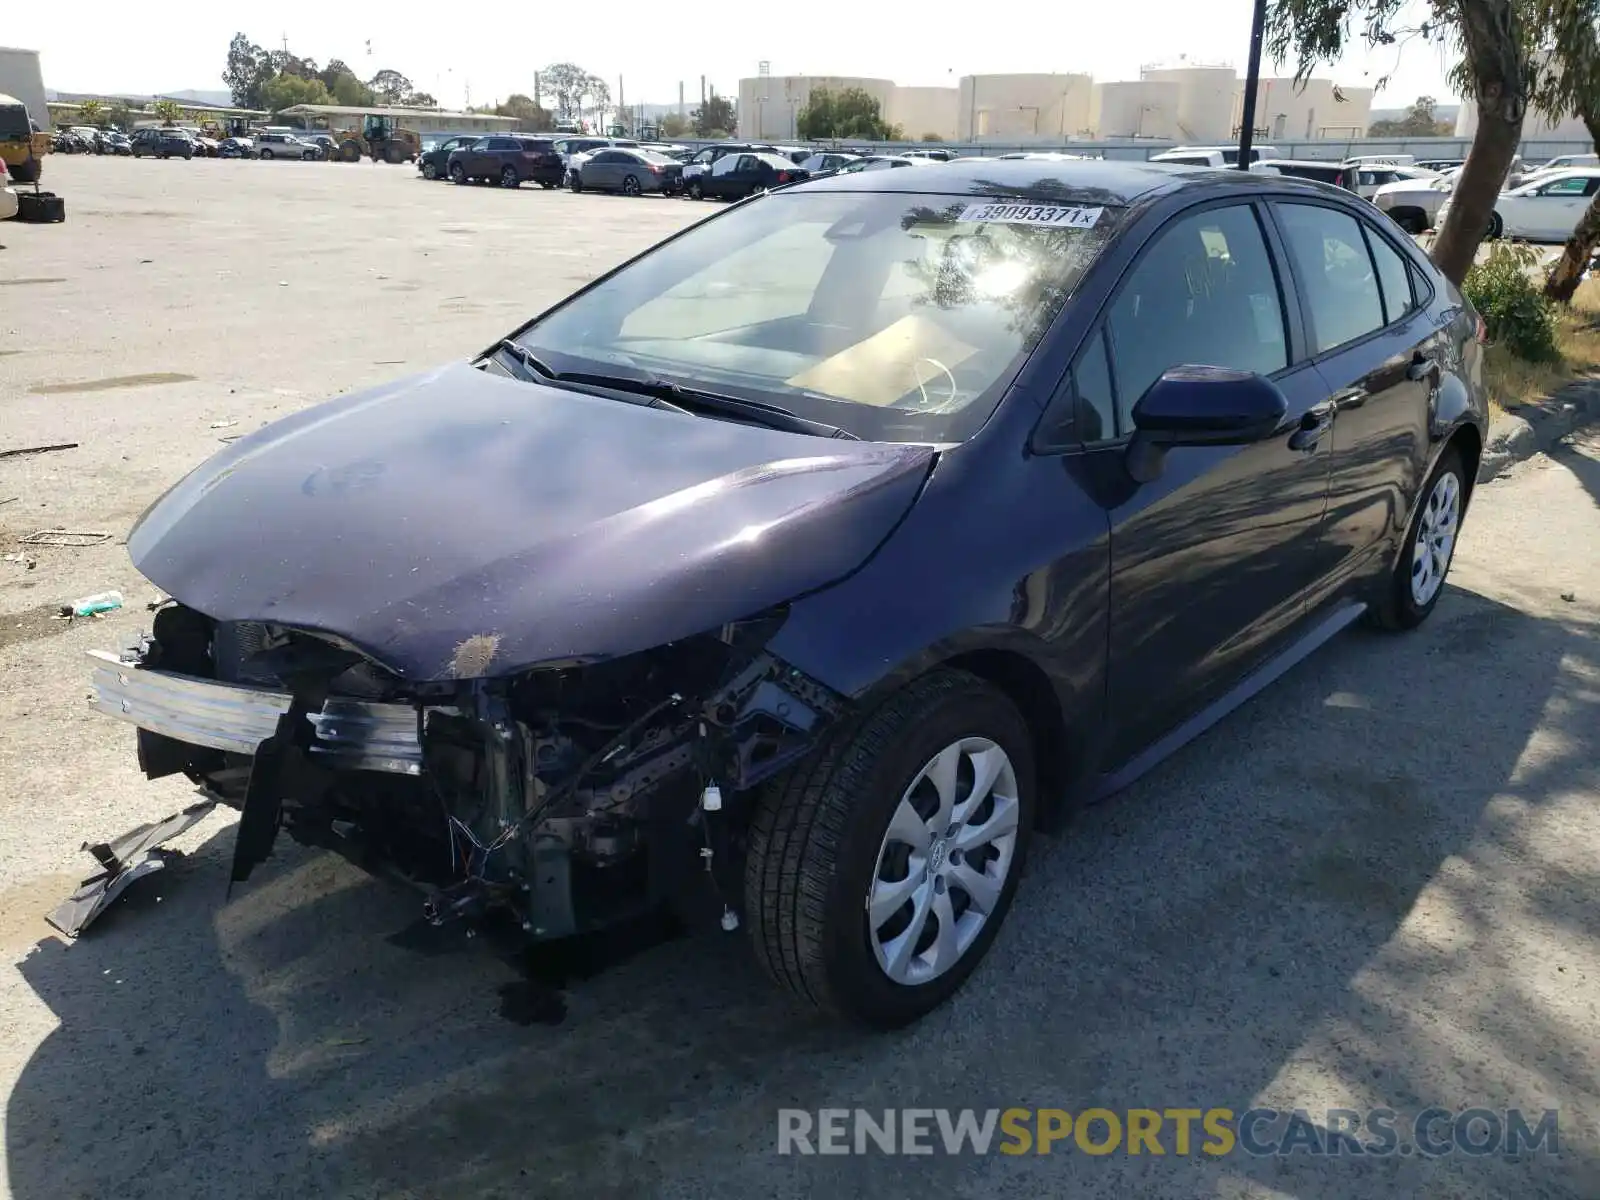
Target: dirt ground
1376	884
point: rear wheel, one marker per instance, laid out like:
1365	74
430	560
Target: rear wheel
265	155
631	185
1417	580
879	871
508	178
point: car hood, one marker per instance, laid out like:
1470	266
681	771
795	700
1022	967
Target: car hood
526	524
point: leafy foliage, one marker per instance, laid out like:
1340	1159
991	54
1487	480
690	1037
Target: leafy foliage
248	70
286	90
848	113
168	110
529	115
674	125
574	88
1419	122
90	112
715	118
1517	316
932	137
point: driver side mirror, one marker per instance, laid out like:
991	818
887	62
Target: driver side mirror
1201	406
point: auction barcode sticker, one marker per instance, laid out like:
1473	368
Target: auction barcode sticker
1054	215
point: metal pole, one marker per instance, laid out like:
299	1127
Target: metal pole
1252	83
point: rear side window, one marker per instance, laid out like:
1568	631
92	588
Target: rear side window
1204	293
1394	279
1335	273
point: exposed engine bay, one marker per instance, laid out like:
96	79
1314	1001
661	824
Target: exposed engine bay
571	796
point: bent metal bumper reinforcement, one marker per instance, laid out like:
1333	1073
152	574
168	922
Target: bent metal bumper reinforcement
356	734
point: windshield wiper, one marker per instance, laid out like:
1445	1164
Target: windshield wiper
677	397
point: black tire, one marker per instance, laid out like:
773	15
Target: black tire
1396	607
631	186
311	155
430	172
458	174
188	156
1497	226
508	178
696	192
265	155
816	833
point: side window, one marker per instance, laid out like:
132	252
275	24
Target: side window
724	164
704	156
1572	186
1203	294
748	162
1394	278
1335	273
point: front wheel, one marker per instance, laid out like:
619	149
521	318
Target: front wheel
880	869
429	171
696	192
265	155
1414	586
508	178
1497	225
458	174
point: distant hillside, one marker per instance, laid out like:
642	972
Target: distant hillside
196	96
202	96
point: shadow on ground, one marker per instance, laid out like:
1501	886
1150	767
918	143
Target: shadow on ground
1191	942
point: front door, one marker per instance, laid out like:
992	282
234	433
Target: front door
1211	562
1378	353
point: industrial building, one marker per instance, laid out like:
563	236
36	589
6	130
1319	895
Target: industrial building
1180	101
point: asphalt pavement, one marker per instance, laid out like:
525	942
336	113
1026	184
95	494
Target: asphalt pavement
1374	885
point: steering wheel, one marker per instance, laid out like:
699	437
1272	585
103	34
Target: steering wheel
955	388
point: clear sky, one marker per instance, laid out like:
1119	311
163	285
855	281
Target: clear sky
491	48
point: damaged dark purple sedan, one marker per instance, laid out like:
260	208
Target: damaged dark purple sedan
796	573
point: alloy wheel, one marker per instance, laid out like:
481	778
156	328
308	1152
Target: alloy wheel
1436	538
630	186
944	861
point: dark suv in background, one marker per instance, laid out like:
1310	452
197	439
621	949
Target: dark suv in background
163	143
507	159
434	161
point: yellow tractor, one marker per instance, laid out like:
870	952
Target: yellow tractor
22	143
379	139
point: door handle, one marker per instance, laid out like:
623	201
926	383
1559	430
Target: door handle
1317	421
1421	368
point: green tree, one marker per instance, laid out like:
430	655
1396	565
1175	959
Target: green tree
344	85
248	70
848	113
675	125
569	84
1494	71
286	91
715	118
1419	121
121	115
420	100
529	115
932	137
168	110
90	112
1570	83
390	86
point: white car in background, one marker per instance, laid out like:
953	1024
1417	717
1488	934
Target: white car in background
8	198
1372	176
1414	204
1544	209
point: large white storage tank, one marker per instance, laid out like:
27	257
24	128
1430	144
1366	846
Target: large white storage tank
1025	107
1205	99
770	105
924	110
1137	108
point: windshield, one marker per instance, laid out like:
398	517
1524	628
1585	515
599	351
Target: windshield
14	121
897	317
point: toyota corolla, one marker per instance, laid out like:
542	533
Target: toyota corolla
796	573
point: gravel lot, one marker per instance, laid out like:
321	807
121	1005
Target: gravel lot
1378	884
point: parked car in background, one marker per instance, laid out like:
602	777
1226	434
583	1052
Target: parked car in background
507	159
117	142
67	141
855	591
207	147
434	161
1339	174
567	147
1212	156
8	196
827	161
631	172
270	144
1441	164
700	162
737	175
161	143
1562	162
1545	209
236	147
935	155
1014	156
795	154
324	142
1414	204
1371	177
882	162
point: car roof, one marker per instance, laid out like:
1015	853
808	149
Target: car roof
1114	182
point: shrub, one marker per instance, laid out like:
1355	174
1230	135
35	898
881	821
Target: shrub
1512	303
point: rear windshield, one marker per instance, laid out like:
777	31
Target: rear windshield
543	145
14	121
899	317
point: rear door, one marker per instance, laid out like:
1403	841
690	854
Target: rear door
1558	205
1378	353
601	171
1212	560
